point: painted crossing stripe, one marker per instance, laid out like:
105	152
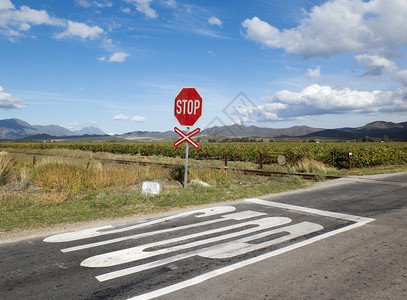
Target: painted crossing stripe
99	231
235	216
244	232
139	252
359	221
225	250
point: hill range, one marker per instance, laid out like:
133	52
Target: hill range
15	129
377	129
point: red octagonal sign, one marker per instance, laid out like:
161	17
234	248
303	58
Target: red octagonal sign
188	106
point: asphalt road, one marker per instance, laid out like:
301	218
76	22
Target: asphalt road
343	239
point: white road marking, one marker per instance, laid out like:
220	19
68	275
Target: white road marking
360	221
246	233
242	246
313	211
140	268
139	252
235	216
225	250
93	232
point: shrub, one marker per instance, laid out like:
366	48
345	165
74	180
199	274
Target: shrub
177	172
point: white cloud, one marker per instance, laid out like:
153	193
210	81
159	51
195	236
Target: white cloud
215	21
104	4
316	74
138	119
171	3
14	21
321	100
7	101
401	76
113	25
120	117
325	98
83	3
6	4
377	66
118	57
115	57
80	30
143	6
107	43
194	19
88	3
338	26
126	10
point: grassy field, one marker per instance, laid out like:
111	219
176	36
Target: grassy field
64	190
68	186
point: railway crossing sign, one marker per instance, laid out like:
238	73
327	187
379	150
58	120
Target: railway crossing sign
188	106
186	137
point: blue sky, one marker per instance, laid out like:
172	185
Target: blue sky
119	64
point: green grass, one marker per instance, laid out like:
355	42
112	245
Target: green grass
45	208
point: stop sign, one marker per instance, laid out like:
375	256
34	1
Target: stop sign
188	106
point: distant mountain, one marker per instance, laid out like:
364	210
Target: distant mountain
225	131
55	130
380	125
12	129
44	136
257	132
378	129
15	129
91	130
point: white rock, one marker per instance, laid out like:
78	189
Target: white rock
195	181
151	188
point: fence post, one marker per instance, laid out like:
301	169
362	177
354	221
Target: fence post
90	159
261	161
226	161
34	161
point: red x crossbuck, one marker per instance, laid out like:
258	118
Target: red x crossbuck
186	137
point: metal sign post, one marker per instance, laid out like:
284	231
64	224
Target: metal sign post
186	162
186	137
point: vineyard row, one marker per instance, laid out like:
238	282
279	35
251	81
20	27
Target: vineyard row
339	155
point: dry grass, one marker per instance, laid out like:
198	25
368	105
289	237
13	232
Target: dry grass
209	175
309	165
6	165
76	179
24	177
